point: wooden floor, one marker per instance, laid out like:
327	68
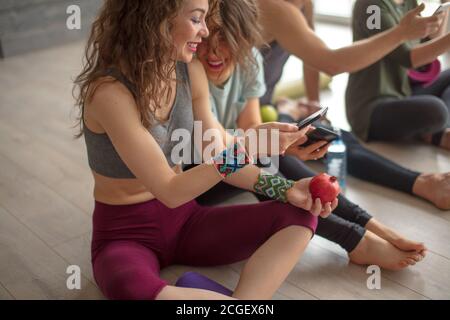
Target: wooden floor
46	203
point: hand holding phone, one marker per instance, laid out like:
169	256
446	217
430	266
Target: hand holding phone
321	134
442	8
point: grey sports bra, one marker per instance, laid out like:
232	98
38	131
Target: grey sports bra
103	157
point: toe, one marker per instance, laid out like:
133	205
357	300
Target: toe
417	257
420	247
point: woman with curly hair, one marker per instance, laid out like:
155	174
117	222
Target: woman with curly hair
137	88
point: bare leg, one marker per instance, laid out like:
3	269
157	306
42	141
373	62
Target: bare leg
263	273
434	188
269	266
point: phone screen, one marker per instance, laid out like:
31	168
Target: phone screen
443	7
430	9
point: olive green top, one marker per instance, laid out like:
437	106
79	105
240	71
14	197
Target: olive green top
386	78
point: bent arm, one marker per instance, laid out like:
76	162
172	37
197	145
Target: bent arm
288	26
310	75
429	51
250	116
245	178
115	110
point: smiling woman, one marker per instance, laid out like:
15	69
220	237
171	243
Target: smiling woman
239	38
143	59
139	85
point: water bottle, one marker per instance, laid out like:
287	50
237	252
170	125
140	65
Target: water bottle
336	162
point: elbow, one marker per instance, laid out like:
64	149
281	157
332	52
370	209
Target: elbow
332	69
170	202
333	64
417	61
335	71
167	198
172	205
167	194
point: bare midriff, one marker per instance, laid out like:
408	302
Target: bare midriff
122	191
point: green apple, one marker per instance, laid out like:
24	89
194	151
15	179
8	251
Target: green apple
269	113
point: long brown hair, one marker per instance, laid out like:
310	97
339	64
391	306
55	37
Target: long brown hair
133	36
240	29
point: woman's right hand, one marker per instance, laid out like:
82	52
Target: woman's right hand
413	26
286	135
314	151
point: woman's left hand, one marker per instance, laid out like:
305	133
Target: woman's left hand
314	151
300	197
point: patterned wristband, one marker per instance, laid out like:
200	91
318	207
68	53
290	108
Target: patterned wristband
273	187
231	160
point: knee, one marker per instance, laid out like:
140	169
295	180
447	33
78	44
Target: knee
288	215
123	275
132	285
436	115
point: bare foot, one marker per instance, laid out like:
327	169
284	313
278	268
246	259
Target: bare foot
374	250
409	246
434	188
445	141
399	241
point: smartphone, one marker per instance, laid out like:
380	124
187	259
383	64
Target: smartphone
312	118
321	134
442	8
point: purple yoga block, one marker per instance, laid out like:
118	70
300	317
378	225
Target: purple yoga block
198	281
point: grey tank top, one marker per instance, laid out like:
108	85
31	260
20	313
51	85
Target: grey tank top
103	157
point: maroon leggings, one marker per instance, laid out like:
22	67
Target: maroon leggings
131	243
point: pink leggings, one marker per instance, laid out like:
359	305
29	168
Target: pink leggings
131	243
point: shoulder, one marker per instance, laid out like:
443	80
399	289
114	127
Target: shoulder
259	59
108	98
195	68
255	71
198	78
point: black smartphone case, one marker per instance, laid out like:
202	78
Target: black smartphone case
321	134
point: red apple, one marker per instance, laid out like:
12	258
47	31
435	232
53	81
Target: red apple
324	187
